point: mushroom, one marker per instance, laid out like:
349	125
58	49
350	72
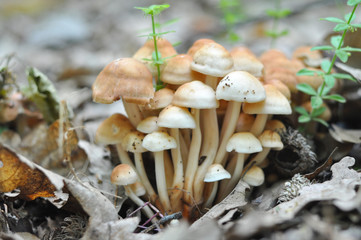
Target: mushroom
254	176
215	173
174	117
157	142
125	175
125	78
236	87
243	143
198	44
275	103
245	60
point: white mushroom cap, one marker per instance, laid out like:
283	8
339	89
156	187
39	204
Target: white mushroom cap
176	117
240	86
254	176
245	60
195	94
212	59
158	141
244	142
216	172
275	103
148	125
123	174
271	139
132	142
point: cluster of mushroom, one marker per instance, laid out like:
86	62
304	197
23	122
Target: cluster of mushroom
212	121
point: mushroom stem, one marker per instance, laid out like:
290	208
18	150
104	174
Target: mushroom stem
143	176
147	211
193	157
178	178
210	192
258	159
235	176
233	110
161	181
259	124
123	156
133	113
209	149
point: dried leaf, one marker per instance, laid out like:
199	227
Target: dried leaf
345	135
356	73
19	173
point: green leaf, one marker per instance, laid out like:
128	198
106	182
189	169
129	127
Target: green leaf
154	9
233	37
351	49
325	90
353	2
42	92
306	88
317	111
323	48
306	72
333	19
275	13
304	119
335	97
316	101
167	23
301	110
342	55
356	25
323	122
335	41
329	80
341	27
347	17
326	65
343	76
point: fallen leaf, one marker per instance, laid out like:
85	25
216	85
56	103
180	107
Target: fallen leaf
355	72
345	135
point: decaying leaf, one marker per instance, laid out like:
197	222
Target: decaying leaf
345	135
42	92
356	73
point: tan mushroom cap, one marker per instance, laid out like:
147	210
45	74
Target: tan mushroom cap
244	142
123	175
314	81
216	172
176	117
288	77
281	87
270	55
132	142
159	141
178	70
161	99
113	129
165	48
275	125
275	103
212	59
148	125
195	94
271	139
308	57
198	44
240	86
244	122
326	115
125	78
245	60
254	176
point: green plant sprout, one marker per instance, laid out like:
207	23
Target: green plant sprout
156	59
276	14
232	14
329	78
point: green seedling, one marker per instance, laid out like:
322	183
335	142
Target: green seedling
329	78
232	14
156	59
276	14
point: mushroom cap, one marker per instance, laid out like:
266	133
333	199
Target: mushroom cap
148	125
113	129
281	87
275	125
132	142
287	76
244	122
158	141
212	59
216	172
240	86
176	117
125	78
326	115
198	44
178	70
123	175
271	139
245	60
243	142
195	94
161	99
254	176
275	103
270	55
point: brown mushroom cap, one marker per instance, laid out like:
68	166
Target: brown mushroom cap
125	78
198	44
245	60
178	70
123	174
